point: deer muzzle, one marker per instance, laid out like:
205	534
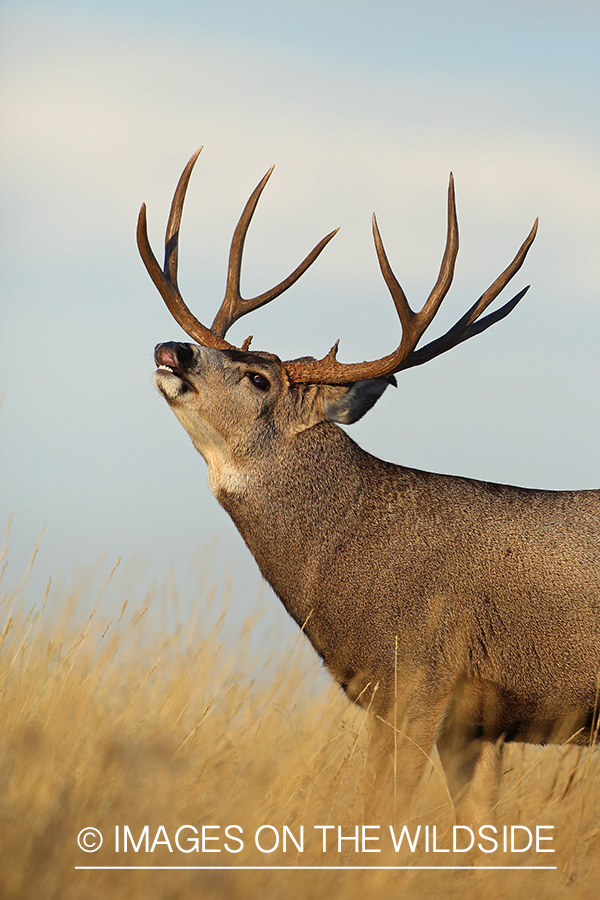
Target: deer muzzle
173	361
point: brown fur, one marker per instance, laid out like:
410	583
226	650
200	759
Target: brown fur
462	614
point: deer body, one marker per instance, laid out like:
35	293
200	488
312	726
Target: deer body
465	612
460	613
478	584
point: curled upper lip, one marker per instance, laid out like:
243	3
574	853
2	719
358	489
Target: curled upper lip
172	358
164	357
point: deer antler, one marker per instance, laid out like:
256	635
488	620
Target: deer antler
234	306
166	280
327	370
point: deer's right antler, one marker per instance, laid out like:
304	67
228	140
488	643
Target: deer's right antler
166	279
327	370
234	306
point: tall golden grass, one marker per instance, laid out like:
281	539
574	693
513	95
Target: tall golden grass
144	719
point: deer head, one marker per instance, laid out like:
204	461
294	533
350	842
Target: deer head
234	402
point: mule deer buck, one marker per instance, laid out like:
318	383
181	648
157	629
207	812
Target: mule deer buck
461	614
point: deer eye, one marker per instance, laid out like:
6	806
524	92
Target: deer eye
259	381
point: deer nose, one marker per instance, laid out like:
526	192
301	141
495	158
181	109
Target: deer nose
174	354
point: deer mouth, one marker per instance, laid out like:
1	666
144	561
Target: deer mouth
170	376
170	369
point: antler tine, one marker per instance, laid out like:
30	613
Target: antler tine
166	281
415	323
172	232
405	313
235	306
470	324
446	273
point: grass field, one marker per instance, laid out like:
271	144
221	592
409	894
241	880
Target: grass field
146	720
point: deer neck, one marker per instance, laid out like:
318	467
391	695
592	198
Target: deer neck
295	507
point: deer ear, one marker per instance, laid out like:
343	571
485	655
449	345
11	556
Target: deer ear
346	404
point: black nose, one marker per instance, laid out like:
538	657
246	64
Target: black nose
174	354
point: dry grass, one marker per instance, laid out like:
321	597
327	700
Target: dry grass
145	721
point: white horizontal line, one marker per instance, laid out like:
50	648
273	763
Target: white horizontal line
315	868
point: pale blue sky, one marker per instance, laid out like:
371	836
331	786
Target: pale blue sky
361	107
